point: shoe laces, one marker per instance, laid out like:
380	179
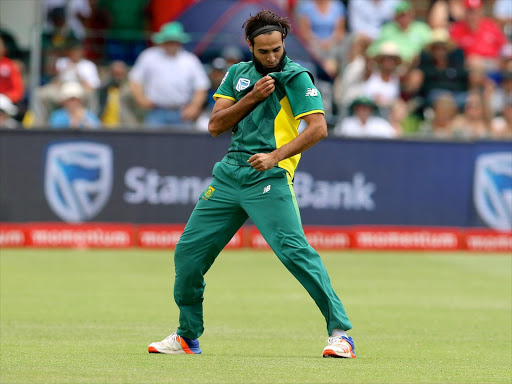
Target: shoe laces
172	337
335	340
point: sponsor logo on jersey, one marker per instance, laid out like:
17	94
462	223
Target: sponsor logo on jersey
242	84
492	189
312	92
78	179
266	189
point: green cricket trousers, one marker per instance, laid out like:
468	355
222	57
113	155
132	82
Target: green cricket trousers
236	193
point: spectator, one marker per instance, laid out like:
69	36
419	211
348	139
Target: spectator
383	84
366	17
502	95
126	25
73	114
232	54
398	115
481	38
76	14
408	34
7	110
440	117
11	44
57	37
501	126
349	85
474	122
443	13
116	104
322	24
216	72
11	82
168	81
363	122
502	12
441	70
73	67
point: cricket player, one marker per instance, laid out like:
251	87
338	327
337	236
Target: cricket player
262	103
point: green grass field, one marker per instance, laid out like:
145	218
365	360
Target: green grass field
87	316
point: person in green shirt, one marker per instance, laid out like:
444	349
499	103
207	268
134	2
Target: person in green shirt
408	34
262	103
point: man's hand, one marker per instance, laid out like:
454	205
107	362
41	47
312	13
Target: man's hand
263	88
263	161
191	112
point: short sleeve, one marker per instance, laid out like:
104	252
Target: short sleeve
304	97
200	79
225	89
137	73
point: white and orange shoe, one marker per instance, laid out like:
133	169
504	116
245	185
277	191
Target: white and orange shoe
340	346
175	344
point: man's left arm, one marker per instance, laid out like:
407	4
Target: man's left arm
314	132
192	110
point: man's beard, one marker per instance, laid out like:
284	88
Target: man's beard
266	70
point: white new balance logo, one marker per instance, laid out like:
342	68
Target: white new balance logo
266	189
312	92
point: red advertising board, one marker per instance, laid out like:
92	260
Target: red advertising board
163	236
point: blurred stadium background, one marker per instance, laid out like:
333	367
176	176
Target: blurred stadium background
415	228
127	185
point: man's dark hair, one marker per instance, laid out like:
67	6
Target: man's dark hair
265	21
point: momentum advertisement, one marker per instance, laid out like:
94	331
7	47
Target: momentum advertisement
156	178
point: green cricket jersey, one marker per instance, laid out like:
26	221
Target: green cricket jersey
275	121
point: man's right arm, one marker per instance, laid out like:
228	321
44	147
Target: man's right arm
228	113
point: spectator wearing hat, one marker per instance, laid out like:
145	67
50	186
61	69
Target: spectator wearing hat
7	111
74	67
480	37
363	122
408	34
441	70
168	81
73	114
383	83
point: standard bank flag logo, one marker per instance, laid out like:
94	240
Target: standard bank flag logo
492	189
78	179
242	84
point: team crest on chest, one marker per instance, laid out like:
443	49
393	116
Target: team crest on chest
242	84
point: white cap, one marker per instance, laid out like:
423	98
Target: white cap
389	48
71	89
7	106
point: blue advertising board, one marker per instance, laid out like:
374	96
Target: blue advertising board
157	177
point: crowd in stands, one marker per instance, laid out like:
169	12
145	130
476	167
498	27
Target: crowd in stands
385	71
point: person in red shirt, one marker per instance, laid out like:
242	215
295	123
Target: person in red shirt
11	82
480	38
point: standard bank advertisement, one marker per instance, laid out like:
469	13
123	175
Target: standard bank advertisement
135	177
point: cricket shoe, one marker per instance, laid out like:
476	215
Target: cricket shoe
175	344
340	346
